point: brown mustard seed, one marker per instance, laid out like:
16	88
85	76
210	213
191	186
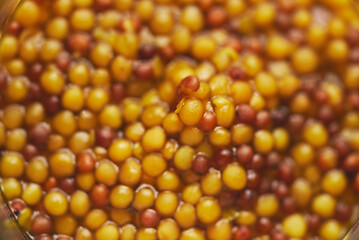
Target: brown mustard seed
278	235
100	195
343	212
79	42
327	159
35	91
14	28
286	5
68	185
279	116
247	199
283	21
321	96
208	121
264	186
254	45
3	79
118	92
237	73
144	71
205	4
51	104
296	36
264	225
17	206
313	222
296	123
286	172
280	189
200	164
244	154
263	120
257	162
30	151
39	134
242	233
353	99
245	114
167	53
216	16
64	238
63	62
253	179
333	128
104	136
352	37
132	23
189	85
147	51
40	224
226	198
351	163
149	218
234	43
85	162
325	114
44	237
288	205
354	55
273	159
222	157
102	5
50	183
34	72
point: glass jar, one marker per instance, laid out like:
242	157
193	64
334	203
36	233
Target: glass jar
9	228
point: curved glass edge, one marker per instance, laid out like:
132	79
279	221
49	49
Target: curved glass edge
7	9
9	228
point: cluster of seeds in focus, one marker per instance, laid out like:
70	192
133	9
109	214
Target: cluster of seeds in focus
181	119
